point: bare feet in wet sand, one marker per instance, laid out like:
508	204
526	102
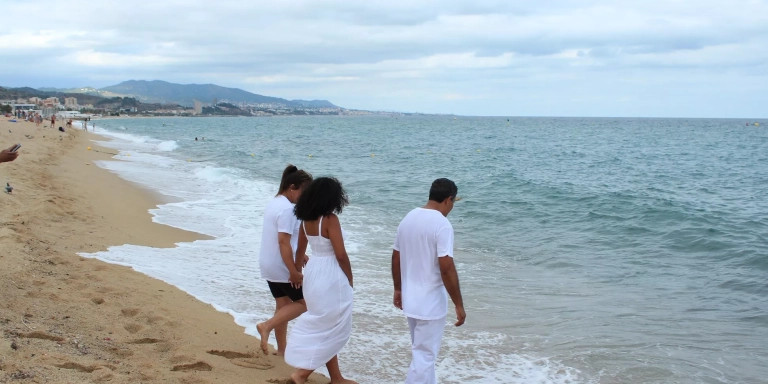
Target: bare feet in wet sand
344	381
264	336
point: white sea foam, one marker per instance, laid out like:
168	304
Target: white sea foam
167	146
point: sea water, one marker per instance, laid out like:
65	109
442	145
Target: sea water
590	250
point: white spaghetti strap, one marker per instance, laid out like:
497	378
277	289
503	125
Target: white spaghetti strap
319	227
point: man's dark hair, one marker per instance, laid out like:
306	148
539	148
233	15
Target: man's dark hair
323	196
442	189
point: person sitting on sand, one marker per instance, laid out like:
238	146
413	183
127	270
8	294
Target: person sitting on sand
279	238
320	333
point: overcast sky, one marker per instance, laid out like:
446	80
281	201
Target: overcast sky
665	58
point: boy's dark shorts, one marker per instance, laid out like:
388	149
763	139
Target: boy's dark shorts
284	289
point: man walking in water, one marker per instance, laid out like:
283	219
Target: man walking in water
422	272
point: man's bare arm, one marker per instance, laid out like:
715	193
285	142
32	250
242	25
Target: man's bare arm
451	283
398	296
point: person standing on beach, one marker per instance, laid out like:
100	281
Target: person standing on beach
320	333
279	238
422	271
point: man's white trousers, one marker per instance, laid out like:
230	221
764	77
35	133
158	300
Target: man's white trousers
426	336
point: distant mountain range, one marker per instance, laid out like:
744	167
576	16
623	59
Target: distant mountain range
158	91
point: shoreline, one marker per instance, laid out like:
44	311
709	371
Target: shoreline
69	318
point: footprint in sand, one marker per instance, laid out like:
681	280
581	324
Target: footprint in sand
41	335
198	366
133	327
76	367
130	312
83	368
120	351
251	362
244	360
159	345
101	376
228	354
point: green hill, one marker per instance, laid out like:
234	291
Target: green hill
158	91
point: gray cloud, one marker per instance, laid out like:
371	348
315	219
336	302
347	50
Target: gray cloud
483	57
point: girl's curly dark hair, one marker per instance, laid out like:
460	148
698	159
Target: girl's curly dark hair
323	196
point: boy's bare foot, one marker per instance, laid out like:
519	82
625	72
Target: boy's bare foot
344	381
264	336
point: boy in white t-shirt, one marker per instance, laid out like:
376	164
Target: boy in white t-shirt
279	238
422	272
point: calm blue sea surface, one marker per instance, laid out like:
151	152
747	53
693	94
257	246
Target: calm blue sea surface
590	250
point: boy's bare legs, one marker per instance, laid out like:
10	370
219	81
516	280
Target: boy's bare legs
285	311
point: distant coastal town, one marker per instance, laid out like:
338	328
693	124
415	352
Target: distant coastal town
26	101
127	106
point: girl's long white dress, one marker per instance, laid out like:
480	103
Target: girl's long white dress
320	332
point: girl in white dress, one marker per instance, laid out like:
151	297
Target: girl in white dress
319	333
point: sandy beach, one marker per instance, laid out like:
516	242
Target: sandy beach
70	319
